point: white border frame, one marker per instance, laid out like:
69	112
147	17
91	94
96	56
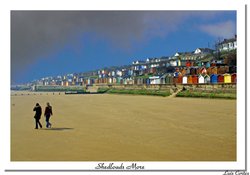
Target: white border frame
128	5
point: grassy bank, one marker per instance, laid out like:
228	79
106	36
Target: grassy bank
135	92
195	94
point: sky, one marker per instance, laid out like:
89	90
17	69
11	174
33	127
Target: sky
51	43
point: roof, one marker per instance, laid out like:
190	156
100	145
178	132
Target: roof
228	41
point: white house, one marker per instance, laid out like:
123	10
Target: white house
203	51
228	44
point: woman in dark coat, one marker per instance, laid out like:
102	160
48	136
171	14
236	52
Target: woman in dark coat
38	114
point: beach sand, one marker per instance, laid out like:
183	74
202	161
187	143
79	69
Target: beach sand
123	128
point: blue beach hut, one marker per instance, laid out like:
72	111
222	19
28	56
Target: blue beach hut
214	78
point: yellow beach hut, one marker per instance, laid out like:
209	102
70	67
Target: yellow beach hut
227	78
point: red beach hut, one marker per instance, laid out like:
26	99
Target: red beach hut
220	79
179	81
195	79
234	78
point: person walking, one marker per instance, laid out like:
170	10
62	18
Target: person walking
38	114
47	114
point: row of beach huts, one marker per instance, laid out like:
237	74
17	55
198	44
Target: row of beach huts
168	79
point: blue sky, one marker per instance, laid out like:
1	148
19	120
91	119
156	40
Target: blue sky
55	43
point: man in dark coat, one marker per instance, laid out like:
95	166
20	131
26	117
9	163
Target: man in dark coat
38	114
47	114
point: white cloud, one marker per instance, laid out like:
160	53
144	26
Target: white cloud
223	30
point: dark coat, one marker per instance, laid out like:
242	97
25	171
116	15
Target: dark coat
48	111
38	110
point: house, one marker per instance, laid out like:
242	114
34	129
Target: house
228	44
138	62
203	51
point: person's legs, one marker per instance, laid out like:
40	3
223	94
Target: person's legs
47	121
39	123
36	123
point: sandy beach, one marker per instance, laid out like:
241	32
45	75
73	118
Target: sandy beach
123	128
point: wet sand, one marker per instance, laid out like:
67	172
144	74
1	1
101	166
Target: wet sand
123	128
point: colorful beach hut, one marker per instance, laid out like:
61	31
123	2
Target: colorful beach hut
169	79
209	71
214	70
194	79
179	81
190	79
214	78
206	79
175	80
233	78
201	79
184	79
220	79
193	71
227	78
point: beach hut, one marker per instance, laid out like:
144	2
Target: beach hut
194	79
176	74
214	70
114	80
221	70
187	71
188	64
179	81
169	79
207	65
220	79
183	71
190	79
227	78
206	79
110	80
201	79
214	78
233	78
175	80
209	71
203	71
193	71
184	79
163	79
147	81
155	80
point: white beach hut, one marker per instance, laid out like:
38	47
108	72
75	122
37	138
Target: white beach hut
184	79
201	79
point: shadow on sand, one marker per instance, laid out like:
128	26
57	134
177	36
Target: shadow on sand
57	129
